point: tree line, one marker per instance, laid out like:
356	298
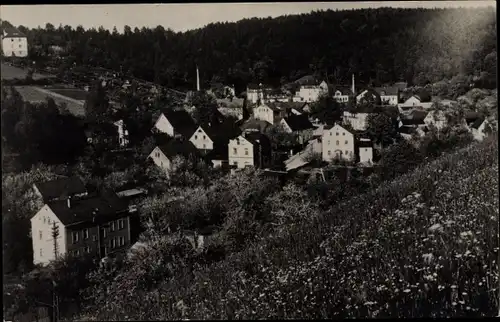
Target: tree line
379	45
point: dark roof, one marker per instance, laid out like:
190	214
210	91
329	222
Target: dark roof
219	152
412	121
407	130
176	147
83	210
371	91
364	144
477	123
298	122
61	187
255	124
12	32
257	138
273	106
390	90
180	120
423	95
308	80
221	132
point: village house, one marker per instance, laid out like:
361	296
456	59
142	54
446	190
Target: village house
388	95
337	143
97	225
249	149
365	151
414	119
368	96
14	43
163	155
123	140
422	100
357	118
256	93
311	92
61	188
299	108
342	94
175	123
271	112
254	125
479	128
232	107
437	119
299	125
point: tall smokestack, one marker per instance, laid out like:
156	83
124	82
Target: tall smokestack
197	79
353	88
69	202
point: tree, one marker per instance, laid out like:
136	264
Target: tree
382	128
205	109
397	159
326	109
97	107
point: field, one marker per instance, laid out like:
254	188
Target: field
11	72
37	94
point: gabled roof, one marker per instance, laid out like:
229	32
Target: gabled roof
478	122
176	147
307	80
298	122
61	187
180	120
11	32
423	95
83	210
390	90
221	132
345	90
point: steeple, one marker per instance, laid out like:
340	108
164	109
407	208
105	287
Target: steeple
197	79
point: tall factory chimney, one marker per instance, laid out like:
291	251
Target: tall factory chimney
197	79
353	88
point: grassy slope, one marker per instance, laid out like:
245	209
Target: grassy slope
373	255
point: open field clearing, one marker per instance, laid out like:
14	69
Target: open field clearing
36	94
11	72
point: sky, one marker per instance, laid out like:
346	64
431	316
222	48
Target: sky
182	17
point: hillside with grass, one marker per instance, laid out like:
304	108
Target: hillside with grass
424	244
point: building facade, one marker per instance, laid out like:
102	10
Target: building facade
14	43
337	143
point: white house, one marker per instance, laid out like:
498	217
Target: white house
368	95
255	93
249	149
365	151
201	140
388	95
337	142
422	100
271	112
311	93
357	120
164	155
175	123
14	43
342	95
478	128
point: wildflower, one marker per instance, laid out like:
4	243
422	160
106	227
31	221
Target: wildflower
428	257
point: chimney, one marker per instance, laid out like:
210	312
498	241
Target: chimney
69	202
197	79
353	88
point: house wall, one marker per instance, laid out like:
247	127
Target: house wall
341	98
412	101
113	237
15	46
358	121
160	159
478	133
43	248
219	163
436	119
390	99
164	126
201	140
253	95
264	113
365	154
337	142
241	152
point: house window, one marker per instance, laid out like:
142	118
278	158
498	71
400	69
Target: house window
343	133
113	243
329	152
204	137
74	236
196	137
77	252
337	142
346	142
112	226
41	252
346	152
246	151
40	233
366	150
331	133
121	241
87	249
94	238
12	39
105	233
235	162
121	224
235	151
20	46
328	142
337	134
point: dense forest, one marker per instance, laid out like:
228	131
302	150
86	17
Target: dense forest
379	45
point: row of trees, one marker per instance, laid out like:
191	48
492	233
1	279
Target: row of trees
427	45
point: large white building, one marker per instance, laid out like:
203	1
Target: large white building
14	43
338	142
311	93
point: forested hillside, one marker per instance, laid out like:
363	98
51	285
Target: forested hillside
381	45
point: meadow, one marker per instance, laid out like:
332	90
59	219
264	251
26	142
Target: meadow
11	72
423	245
